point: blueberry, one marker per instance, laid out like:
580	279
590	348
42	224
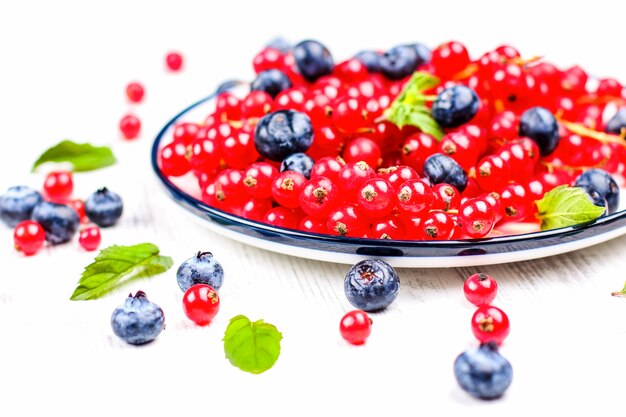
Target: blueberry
138	320
455	106
399	61
58	220
540	125
271	81
371	285
596	199
602	182
440	168
282	133
298	162
483	372
423	53
17	204
313	60
200	269
104	207
371	60
617	122
227	86
279	43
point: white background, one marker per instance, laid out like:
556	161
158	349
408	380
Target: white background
63	69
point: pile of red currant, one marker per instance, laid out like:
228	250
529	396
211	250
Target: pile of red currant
311	147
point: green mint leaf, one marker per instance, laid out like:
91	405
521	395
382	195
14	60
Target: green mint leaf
117	265
251	347
82	156
410	108
566	206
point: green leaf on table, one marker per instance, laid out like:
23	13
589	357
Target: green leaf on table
251	347
82	156
566	206
410	109
117	265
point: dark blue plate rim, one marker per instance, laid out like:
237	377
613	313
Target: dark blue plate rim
362	246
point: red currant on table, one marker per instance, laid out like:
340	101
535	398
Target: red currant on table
130	126
134	92
29	237
174	61
90	238
201	304
480	289
58	186
355	327
490	324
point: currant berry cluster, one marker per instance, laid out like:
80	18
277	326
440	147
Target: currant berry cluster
484	372
54	216
311	146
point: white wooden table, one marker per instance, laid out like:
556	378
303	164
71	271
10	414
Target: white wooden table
63	70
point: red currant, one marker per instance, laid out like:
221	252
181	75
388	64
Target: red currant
174	160
390	227
476	217
437	225
292	98
609	87
415	196
363	149
328	142
313	225
258	179
130	126
480	289
281	217
79	206
134	92
352	176
185	133
447	197
29	237
516	202
90	238
268	58
355	327
238	150
227	189
205	156
318	197
348	115
58	186
174	61
201	304
255	209
256	104
490	324
328	167
449	59
287	187
416	149
228	106
492	173
346	221
460	147
351	71
376	197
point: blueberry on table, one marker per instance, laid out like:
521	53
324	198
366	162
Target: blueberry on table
603	183
371	285
58	220
298	162
617	122
271	81
483	372
455	106
440	168
538	124
371	60
104	207
282	133
200	269
17	204
138	320
399	61
313	60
